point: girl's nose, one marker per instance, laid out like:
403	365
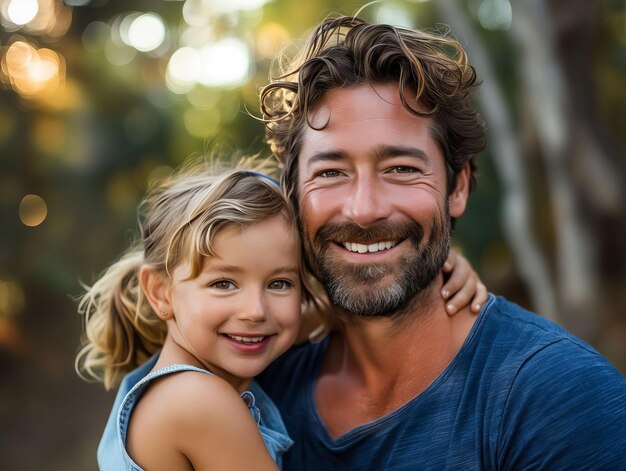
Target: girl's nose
253	309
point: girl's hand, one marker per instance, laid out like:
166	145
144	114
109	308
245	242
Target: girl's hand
463	287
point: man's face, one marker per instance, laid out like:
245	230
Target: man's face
373	203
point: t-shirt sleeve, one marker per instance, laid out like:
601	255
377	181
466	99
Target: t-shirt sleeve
566	409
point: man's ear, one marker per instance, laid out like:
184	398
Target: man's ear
457	200
155	286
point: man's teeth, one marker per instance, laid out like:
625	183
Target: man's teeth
362	248
237	338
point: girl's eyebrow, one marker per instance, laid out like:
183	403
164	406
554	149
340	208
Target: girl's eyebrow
234	269
291	270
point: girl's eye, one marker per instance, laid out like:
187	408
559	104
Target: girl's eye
280	284
223	284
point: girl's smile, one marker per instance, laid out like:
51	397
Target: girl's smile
243	310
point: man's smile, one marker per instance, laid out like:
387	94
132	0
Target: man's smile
363	248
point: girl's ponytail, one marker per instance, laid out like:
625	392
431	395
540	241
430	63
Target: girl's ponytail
121	329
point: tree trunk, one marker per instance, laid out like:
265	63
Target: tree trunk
506	151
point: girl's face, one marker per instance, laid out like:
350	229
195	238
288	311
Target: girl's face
243	309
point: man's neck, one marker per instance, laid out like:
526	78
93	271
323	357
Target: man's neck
422	339
382	363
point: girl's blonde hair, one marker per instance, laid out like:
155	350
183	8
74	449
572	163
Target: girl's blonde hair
179	220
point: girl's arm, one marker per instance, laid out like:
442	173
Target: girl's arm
196	421
463	286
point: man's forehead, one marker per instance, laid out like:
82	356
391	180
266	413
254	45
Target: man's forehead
362	102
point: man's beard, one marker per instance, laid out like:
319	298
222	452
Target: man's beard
359	288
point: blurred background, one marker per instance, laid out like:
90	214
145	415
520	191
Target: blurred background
99	97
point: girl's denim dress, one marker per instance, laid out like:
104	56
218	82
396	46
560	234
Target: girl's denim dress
112	453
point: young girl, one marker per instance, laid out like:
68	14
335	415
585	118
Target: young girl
208	298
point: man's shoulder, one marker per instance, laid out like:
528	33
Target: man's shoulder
527	331
561	402
528	349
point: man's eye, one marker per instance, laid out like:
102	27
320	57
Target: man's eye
223	284
280	284
403	169
328	173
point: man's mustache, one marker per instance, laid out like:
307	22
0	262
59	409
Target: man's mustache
377	232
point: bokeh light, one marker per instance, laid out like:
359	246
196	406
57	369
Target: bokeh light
495	14
21	12
270	38
233	5
50	18
225	63
33	210
203	12
194	13
146	32
394	15
32	72
183	70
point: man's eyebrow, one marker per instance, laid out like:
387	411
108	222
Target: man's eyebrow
381	152
325	156
387	151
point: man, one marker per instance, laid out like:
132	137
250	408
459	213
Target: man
377	135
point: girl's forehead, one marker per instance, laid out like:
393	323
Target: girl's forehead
273	241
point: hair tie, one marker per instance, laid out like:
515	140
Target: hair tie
263	176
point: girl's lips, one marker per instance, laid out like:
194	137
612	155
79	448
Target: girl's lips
248	343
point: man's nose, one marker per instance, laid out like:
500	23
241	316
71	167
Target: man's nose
367	201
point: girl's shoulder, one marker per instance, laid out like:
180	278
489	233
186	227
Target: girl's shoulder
193	416
185	397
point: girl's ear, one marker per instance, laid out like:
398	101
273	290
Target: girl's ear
457	200
156	286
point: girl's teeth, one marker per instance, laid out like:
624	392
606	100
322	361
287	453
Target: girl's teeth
237	338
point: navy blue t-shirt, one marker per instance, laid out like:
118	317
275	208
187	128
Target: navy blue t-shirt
521	393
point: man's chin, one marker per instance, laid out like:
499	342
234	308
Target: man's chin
369	299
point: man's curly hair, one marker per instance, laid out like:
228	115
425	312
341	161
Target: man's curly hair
431	70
